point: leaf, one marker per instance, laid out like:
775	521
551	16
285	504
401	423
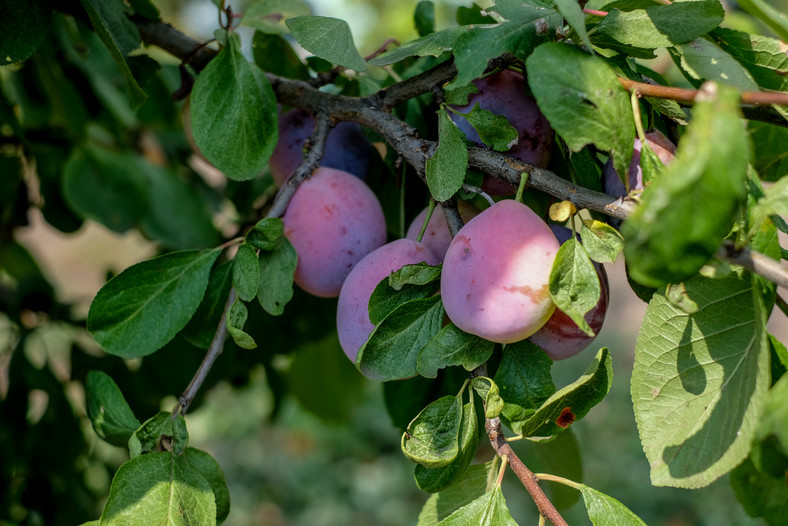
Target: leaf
488	510
120	36
760	494
204	464
451	346
574	283
266	15
276	277
699	381
24	25
445	169
663	25
415	274
274	54
109	413
494	130
474	48
328	38
157	433
246	272
701	60
768	15
143	307
437	479
471	485
604	510
684	215
266	234
202	327
424	17
524	380
771	155
774	415
602	242
158	488
385	299
773	203
392	349
488	391
765	58
236	319
573	14
432	437
433	44
234	114
581	97
570	403
106	186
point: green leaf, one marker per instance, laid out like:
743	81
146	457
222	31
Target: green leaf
433	44
604	510
602	242
145	9
392	350
663	25
451	346
234	114
701	60
24	25
684	215
106	186
202	327
143	307
432	438
474	48
574	283
760	494
236	319
581	97
158	433
204	464
446	167
573	14
488	510
266	234
524	380
773	203
328	38
773	18
437	479
765	58
246	272
385	299
120	36
267	15
109	413
774	416
276	277
274	54
424	17
699	381
471	485
158	488
415	274
494	130
771	155
489	392
570	403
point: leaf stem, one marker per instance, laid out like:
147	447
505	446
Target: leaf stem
560	480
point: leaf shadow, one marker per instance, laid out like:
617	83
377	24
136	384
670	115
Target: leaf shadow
689	370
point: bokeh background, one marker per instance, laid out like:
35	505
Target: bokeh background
298	461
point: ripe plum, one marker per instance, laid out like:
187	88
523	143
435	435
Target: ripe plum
437	235
333	221
496	273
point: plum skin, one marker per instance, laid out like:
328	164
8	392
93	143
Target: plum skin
437	235
503	93
353	325
346	147
560	337
659	144
496	274
333	220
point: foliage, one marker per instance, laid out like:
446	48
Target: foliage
92	129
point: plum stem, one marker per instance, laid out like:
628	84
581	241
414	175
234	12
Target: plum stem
521	187
430	210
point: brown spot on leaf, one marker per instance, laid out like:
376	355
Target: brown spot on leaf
565	418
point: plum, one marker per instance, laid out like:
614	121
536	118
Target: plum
333	220
659	144
496	273
346	147
560	337
437	235
504	94
353	323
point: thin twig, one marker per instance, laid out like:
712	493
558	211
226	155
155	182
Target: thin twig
689	95
782	304
754	262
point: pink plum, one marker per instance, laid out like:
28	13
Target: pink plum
659	144
437	235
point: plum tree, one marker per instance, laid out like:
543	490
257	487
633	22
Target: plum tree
333	221
504	93
353	325
437	235
346	147
496	285
560	337
659	144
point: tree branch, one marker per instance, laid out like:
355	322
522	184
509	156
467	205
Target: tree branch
688	95
754	262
